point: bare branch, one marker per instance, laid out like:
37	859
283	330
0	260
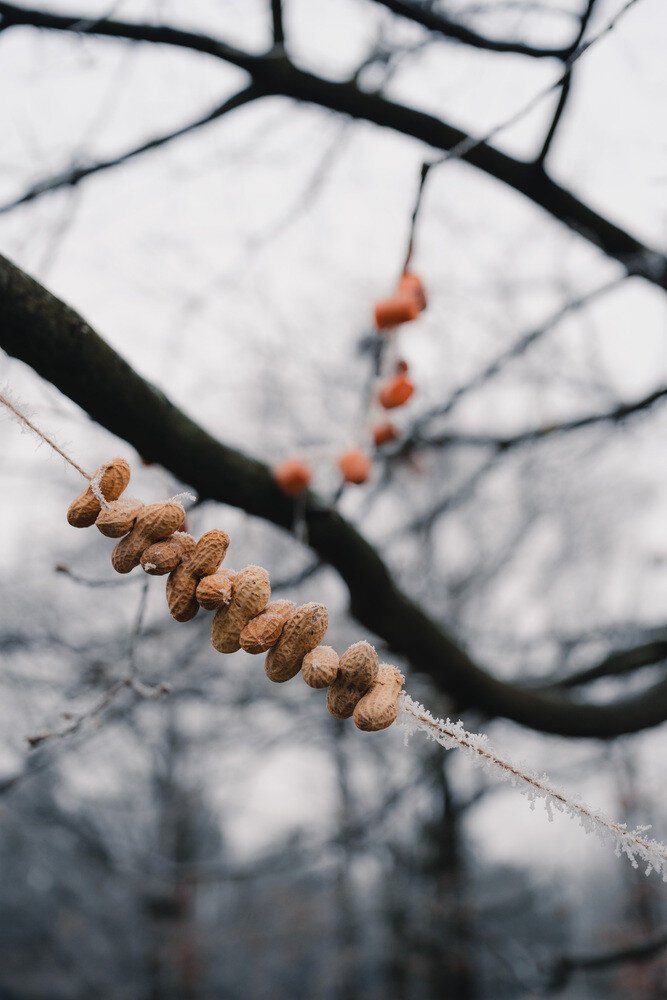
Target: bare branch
640	951
518	348
566	85
618	663
443	25
277	21
279	76
619	414
73	176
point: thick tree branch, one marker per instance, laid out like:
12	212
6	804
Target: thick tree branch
72	177
280	76
59	345
442	25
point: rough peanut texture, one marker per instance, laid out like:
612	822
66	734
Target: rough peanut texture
379	707
320	667
264	631
205	558
303	631
250	595
215	591
112	477
357	672
118	518
153	523
163	557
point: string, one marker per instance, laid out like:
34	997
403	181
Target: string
633	843
26	421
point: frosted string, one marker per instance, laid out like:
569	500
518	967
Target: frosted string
450	735
22	417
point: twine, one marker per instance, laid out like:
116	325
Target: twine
26	421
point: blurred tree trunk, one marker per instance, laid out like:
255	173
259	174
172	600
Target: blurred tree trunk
450	970
348	928
174	963
642	901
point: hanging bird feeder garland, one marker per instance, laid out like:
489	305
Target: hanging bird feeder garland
152	536
394	389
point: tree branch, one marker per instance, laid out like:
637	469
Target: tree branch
566	85
622	661
519	347
442	25
59	345
503	444
641	951
72	177
277	22
280	76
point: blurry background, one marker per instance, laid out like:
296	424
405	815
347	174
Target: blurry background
232	840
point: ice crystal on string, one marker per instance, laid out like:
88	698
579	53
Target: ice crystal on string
182	497
453	735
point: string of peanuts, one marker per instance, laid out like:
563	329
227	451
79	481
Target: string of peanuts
358	685
394	389
151	536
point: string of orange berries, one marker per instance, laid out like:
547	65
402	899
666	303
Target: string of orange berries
394	389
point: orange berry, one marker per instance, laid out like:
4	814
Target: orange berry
409	284
397	309
355	466
396	392
293	476
383	433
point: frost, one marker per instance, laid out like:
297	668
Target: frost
452	735
97	489
180	497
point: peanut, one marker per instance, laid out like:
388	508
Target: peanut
303	631
215	591
119	517
203	561
153	523
264	631
161	558
320	667
355	466
357	672
250	595
379	707
112	477
293	476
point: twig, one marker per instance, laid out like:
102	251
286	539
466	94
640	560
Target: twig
565	87
75	174
466	145
129	680
277	23
639	951
87	582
